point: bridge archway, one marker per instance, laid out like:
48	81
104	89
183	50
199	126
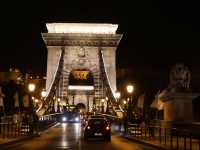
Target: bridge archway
81	88
81	107
80	77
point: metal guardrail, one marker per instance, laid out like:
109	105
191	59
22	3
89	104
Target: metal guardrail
50	117
174	138
110	116
12	130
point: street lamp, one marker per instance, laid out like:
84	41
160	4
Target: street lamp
130	89
36	100
107	106
124	102
31	87
117	95
43	93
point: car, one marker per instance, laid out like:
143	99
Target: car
70	117
97	127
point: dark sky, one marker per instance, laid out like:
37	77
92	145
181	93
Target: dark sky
156	34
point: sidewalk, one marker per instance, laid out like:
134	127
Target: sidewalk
148	143
166	144
120	131
163	142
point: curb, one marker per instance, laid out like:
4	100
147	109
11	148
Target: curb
146	143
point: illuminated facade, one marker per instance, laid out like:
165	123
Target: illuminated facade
81	73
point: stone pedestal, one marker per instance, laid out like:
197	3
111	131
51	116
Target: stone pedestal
178	107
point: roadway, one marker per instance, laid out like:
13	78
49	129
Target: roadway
70	137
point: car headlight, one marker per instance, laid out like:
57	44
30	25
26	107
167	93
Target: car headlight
76	119
64	118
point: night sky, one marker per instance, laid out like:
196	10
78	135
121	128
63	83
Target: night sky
156	35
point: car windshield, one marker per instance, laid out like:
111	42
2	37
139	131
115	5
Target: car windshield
97	122
71	113
97	116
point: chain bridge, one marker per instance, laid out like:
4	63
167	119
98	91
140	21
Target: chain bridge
81	67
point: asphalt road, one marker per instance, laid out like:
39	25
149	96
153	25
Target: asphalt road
69	137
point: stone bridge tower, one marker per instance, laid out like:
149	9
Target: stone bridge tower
81	81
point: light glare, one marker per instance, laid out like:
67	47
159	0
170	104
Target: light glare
76	87
130	88
31	87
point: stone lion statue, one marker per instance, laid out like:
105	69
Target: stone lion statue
180	77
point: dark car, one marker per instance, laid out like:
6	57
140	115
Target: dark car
97	127
69	116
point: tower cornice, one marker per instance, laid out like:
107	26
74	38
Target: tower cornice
77	39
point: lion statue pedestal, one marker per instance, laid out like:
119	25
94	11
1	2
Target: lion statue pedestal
177	106
177	98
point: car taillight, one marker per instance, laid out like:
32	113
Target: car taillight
107	128
88	127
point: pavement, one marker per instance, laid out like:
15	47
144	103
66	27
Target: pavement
154	142
148	143
120	131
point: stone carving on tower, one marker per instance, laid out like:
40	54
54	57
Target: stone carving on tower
81	56
179	78
81	59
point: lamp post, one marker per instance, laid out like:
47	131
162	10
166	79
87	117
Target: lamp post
36	103
130	89
102	105
43	95
125	103
31	88
58	108
117	96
